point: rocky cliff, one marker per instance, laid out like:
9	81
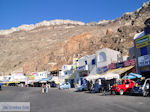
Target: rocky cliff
50	44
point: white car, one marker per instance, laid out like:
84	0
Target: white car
146	87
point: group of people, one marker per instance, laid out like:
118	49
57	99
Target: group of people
45	88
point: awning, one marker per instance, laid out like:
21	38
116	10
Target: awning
120	70
11	82
55	79
92	77
43	80
115	73
108	76
132	76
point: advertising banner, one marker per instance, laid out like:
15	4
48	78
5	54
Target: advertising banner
144	60
131	62
112	66
120	65
103	69
143	41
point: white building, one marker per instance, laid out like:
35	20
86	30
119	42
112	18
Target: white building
85	67
6	78
105	57
18	77
41	75
66	70
1	78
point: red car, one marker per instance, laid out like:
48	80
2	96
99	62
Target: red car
122	86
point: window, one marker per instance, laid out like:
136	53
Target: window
102	57
127	82
143	51
93	62
86	62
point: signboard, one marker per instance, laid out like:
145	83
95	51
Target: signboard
144	60
120	65
83	67
103	69
131	62
112	66
127	63
143	41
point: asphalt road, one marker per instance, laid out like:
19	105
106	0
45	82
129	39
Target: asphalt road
69	101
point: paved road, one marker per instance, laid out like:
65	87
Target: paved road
69	101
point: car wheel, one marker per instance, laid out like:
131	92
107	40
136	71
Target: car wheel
131	93
113	93
121	92
145	93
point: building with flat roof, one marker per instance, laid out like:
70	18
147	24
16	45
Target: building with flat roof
142	50
104	57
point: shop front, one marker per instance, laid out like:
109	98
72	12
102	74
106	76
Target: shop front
144	65
142	50
81	73
122	68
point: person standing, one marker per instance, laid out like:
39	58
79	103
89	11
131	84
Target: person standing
46	88
43	88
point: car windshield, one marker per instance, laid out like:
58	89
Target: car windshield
119	82
148	81
127	82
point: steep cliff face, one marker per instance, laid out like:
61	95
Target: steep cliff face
50	44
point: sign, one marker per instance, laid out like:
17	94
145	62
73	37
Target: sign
131	62
112	66
144	60
83	67
143	41
120	65
103	69
14	106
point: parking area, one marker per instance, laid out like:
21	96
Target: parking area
69	101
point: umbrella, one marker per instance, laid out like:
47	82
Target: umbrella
132	76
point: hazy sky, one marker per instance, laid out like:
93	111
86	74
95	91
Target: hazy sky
17	12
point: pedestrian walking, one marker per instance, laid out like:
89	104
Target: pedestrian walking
46	88
43	88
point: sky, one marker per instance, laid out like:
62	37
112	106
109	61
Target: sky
17	12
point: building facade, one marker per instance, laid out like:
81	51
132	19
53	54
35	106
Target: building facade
142	50
104	57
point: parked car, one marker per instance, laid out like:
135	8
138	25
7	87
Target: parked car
1	86
82	87
65	86
53	84
123	86
137	89
146	87
99	85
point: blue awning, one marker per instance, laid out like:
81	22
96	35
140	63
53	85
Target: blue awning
132	76
46	79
